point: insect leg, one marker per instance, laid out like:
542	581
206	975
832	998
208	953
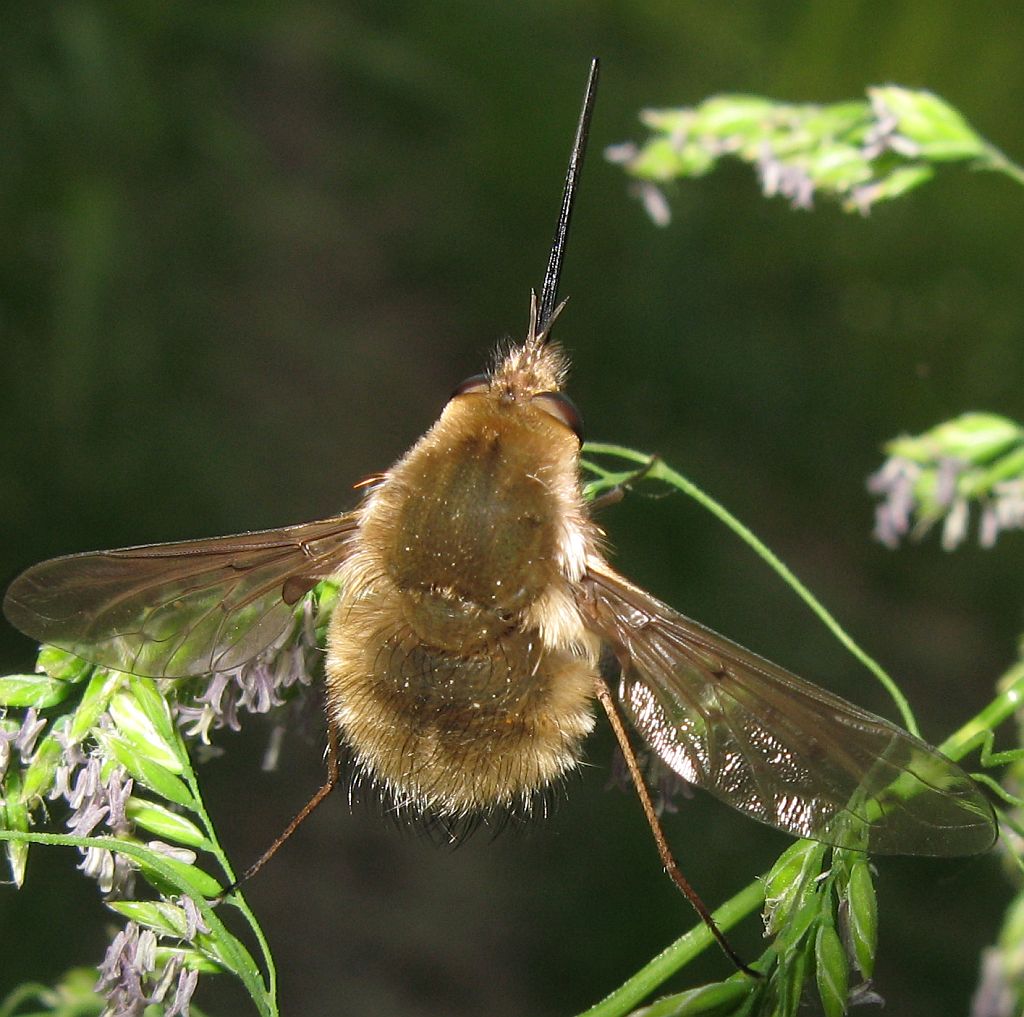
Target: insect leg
615	494
307	809
664	851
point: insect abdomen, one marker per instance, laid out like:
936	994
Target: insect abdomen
449	732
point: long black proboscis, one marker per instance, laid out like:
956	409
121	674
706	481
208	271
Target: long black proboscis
549	291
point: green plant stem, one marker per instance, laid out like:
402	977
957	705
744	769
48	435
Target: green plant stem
658	470
626	997
241	963
237	897
978	729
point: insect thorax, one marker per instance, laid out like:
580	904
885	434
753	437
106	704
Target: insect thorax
474	515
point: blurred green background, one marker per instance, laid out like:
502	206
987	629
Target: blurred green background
249	249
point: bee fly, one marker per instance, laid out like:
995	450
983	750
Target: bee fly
462	654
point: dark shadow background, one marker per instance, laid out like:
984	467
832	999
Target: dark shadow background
249	249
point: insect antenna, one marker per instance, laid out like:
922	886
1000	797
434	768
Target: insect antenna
548	309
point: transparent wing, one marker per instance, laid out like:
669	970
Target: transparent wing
170	610
777	747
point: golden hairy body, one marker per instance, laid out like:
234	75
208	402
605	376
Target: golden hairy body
462	651
459	670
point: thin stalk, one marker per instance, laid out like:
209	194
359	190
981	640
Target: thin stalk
632	992
658	470
979	728
237	898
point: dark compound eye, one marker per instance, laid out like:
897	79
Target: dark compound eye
563	409
471	386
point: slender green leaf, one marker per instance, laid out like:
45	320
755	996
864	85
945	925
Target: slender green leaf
975	438
863	915
63	665
832	970
155	707
165	824
790	978
891	185
202	883
191	959
102	685
156	777
135	725
936	128
226	950
726	116
14	816
705	1001
38	690
839	168
789	935
160	916
40	773
788	882
662	159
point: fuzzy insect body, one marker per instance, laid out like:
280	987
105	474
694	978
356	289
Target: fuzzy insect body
459	668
